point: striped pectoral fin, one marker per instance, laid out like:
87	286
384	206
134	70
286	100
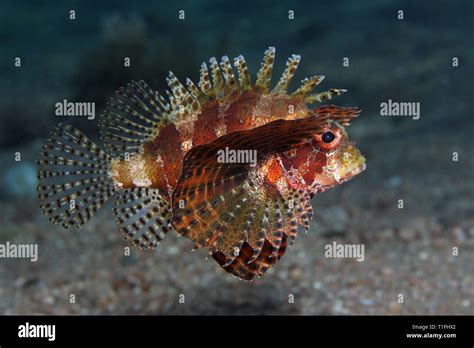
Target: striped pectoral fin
266	241
271	226
232	234
73	177
227	208
277	229
255	260
256	231
247	268
283	246
143	216
206	207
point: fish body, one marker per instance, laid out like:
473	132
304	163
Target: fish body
161	162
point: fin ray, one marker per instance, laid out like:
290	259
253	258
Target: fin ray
264	75
324	96
307	85
73	178
287	76
132	118
143	216
242	69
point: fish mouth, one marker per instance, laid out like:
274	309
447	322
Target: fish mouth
355	168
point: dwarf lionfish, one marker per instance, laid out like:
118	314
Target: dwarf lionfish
160	162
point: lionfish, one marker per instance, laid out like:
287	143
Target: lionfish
160	162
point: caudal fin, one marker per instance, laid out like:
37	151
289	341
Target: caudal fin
73	177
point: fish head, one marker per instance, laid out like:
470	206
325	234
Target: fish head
339	158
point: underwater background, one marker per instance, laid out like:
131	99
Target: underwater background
408	251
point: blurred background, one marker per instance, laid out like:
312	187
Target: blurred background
407	251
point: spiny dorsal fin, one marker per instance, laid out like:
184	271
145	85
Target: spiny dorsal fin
178	90
193	89
264	75
164	105
242	69
307	85
217	81
324	96
291	66
204	80
185	106
230	81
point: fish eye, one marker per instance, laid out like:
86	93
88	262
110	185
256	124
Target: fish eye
328	137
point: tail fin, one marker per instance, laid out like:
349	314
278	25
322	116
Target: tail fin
73	177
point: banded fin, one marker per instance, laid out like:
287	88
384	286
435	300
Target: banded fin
341	115
228	239
230	81
73	177
193	89
277	228
201	208
207	191
163	103
246	266
290	70
185	107
143	216
264	75
291	221
307	85
324	96
132	118
283	246
177	89
217	81
242	69
256	232
302	207
204	80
